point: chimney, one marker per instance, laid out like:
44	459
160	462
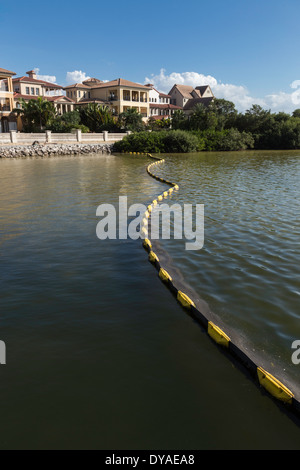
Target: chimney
31	74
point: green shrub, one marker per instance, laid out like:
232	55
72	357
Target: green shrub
158	142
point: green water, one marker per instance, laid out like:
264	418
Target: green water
99	355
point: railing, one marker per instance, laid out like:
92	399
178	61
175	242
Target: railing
4	108
113	98
59	138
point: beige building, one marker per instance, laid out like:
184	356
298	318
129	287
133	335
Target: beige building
30	87
186	97
7	120
118	94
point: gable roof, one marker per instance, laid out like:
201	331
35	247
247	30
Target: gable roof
202	89
30	80
184	90
48	98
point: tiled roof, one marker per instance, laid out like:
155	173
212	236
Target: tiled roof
48	98
164	106
163	95
7	72
185	90
37	82
157	118
192	103
121	82
92	100
202	89
77	85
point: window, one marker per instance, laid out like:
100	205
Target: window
89	94
37	91
27	90
32	91
79	94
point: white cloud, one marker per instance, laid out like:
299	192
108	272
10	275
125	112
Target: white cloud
295	84
77	76
239	94
46	78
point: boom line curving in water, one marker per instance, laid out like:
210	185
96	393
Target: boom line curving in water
261	377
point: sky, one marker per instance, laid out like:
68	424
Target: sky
247	51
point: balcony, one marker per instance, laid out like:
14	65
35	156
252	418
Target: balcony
113	98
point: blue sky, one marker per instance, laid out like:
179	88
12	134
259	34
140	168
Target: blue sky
248	51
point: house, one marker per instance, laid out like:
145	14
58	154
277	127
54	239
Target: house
160	104
118	94
187	96
7	119
30	87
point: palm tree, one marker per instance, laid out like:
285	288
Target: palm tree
97	117
131	120
36	114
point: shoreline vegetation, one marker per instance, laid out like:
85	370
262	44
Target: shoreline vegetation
216	127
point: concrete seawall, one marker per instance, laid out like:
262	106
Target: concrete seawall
38	150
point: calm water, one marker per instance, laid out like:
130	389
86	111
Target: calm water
99	355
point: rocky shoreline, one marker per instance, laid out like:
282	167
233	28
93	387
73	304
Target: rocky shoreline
49	150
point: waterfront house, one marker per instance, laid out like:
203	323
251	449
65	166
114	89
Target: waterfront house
31	87
187	97
160	104
118	94
7	119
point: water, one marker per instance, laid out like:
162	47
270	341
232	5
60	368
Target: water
99	355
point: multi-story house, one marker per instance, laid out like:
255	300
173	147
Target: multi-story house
160	104
30	87
118	94
187	97
7	120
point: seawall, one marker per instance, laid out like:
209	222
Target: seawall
40	150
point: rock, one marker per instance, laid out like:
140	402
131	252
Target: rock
41	150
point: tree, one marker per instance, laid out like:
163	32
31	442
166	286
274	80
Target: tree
203	118
131	120
179	120
98	118
296	113
36	114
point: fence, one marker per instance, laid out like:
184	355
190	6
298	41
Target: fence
49	137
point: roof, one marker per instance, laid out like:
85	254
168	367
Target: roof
157	118
37	82
121	82
193	102
90	80
57	98
164	106
8	72
77	85
202	89
163	95
185	90
48	98
92	100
